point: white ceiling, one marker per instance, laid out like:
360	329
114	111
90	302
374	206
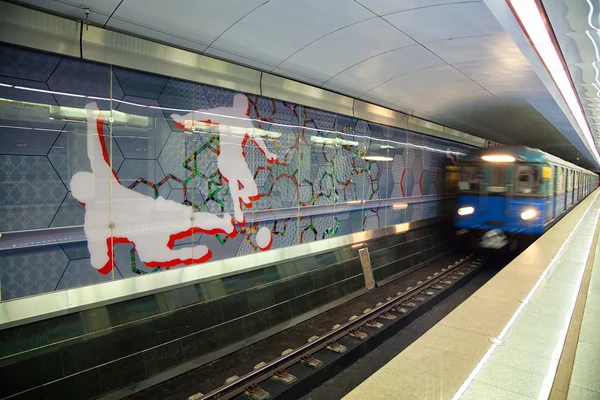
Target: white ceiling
447	61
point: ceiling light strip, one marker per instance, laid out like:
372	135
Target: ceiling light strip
532	18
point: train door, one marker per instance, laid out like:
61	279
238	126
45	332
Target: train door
565	189
573	186
554	193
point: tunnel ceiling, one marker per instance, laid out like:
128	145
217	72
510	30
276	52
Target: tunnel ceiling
447	61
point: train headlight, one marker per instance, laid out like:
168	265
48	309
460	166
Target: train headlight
530	213
465	211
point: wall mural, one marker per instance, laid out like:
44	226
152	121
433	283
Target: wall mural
184	173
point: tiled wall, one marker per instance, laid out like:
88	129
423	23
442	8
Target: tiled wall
41	148
97	351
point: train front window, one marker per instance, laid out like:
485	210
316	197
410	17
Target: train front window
471	178
497	179
528	179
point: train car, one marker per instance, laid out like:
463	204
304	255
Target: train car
514	194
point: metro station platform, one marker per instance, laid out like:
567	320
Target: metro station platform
528	333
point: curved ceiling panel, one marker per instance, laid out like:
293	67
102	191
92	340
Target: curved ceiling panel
374	71
344	48
383	7
278	29
192	25
100	10
447	21
413	82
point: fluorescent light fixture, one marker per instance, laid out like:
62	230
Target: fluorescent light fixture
378	158
385	146
501	158
354	201
332	141
465	211
401	206
532	21
528	214
5	85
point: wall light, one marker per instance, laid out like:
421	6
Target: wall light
402	206
498	158
532	20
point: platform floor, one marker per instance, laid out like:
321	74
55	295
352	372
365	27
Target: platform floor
507	340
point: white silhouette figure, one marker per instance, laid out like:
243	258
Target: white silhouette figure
151	225
235	129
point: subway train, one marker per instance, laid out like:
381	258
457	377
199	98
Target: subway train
512	195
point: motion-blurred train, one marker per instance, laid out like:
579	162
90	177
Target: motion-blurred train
511	195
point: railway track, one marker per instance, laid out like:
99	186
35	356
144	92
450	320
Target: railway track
358	327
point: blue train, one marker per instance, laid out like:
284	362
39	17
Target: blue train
513	194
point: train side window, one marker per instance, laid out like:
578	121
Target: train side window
561	181
528	179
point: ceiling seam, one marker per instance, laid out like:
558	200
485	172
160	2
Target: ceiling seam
232	25
154	39
316	40
368	58
400	76
113	13
432	6
430	87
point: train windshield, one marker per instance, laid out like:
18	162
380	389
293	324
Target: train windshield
471	178
497	179
529	179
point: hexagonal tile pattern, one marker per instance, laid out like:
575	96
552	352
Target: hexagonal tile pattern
22	63
386	184
81	273
70	213
140	84
69	153
216	96
179	147
33	195
84	78
30	96
30	193
31	271
76	251
180	95
131	171
28	137
221	251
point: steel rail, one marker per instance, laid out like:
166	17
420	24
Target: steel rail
265	372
